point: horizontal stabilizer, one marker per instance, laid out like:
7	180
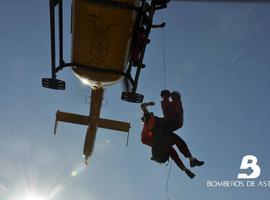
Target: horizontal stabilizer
86	120
114	125
72	118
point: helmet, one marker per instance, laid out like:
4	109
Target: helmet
164	93
176	95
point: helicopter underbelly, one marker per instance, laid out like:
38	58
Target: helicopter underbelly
94	83
101	38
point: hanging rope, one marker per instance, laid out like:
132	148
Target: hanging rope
163	53
167	182
165	87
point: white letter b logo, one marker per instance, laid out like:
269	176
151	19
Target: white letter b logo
250	161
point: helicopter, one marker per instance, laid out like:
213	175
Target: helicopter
104	33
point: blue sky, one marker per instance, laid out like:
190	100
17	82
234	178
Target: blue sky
217	56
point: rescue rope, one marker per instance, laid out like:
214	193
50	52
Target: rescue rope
167	182
165	86
163	53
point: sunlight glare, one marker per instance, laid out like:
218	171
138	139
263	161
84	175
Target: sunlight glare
78	169
33	197
84	81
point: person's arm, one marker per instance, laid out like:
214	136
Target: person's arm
162	25
144	106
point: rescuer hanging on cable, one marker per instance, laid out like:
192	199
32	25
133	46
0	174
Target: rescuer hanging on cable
158	132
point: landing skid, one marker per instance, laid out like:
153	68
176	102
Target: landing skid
53	83
132	97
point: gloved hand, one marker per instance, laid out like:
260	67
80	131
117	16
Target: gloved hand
162	25
144	105
151	103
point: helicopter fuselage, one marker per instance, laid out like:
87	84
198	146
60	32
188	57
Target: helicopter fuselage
101	38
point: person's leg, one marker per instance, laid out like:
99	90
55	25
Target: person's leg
183	148
166	126
181	145
173	154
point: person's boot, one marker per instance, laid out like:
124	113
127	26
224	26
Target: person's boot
189	173
196	162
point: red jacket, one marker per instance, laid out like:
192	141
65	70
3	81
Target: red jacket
147	134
